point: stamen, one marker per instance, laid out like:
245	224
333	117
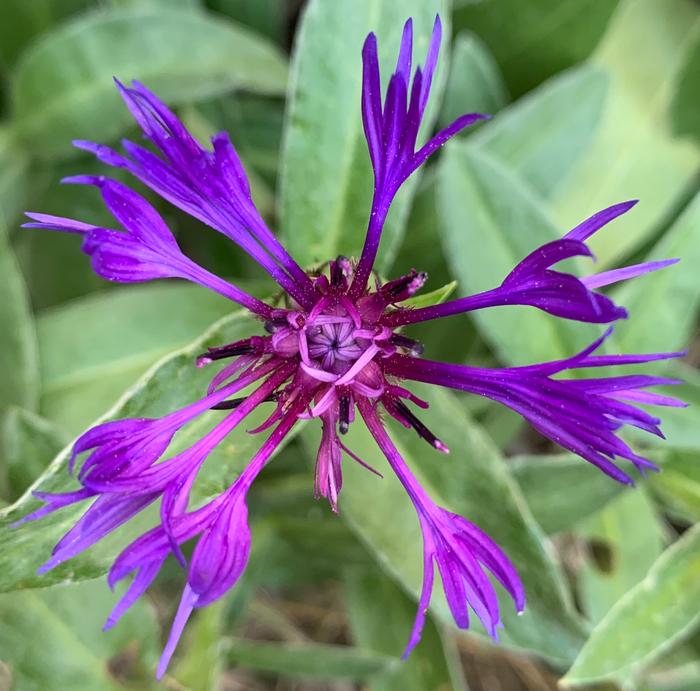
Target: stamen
336	272
233	403
414	347
421	430
344	414
405	287
244	347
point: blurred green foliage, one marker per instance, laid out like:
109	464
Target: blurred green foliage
595	102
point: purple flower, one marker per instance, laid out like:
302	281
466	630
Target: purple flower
334	352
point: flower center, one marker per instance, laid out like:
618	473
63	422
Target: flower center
333	344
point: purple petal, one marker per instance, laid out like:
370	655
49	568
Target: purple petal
593	224
187	603
624	274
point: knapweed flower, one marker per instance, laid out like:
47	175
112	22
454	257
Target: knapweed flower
336	352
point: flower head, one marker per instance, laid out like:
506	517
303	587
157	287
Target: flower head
337	351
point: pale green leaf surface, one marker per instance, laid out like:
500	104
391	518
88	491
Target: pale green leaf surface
543	135
687	95
14	175
634	155
28	443
63	87
663	306
51	640
92	349
548	483
18	350
648	620
474	84
625	538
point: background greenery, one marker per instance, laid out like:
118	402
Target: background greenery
596	101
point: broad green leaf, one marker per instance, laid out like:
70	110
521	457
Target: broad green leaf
624	539
562	490
535	40
51	640
28	443
18	351
490	221
648	620
543	135
422	250
63	87
380	615
14	175
434	297
326	178
170	384
678	486
686	96
94	348
474	83
663	306
634	156
308	660
474	482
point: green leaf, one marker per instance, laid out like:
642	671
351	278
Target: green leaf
533	41
475	83
664	305
63	87
624	540
269	17
434	297
14	175
474	482
326	178
94	348
384	628
28	443
21	21
547	482
634	156
490	221
256	124
170	384
544	134
18	351
647	620
678	486
308	660
51	640
685	99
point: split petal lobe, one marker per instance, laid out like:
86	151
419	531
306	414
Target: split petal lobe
593	224
187	604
